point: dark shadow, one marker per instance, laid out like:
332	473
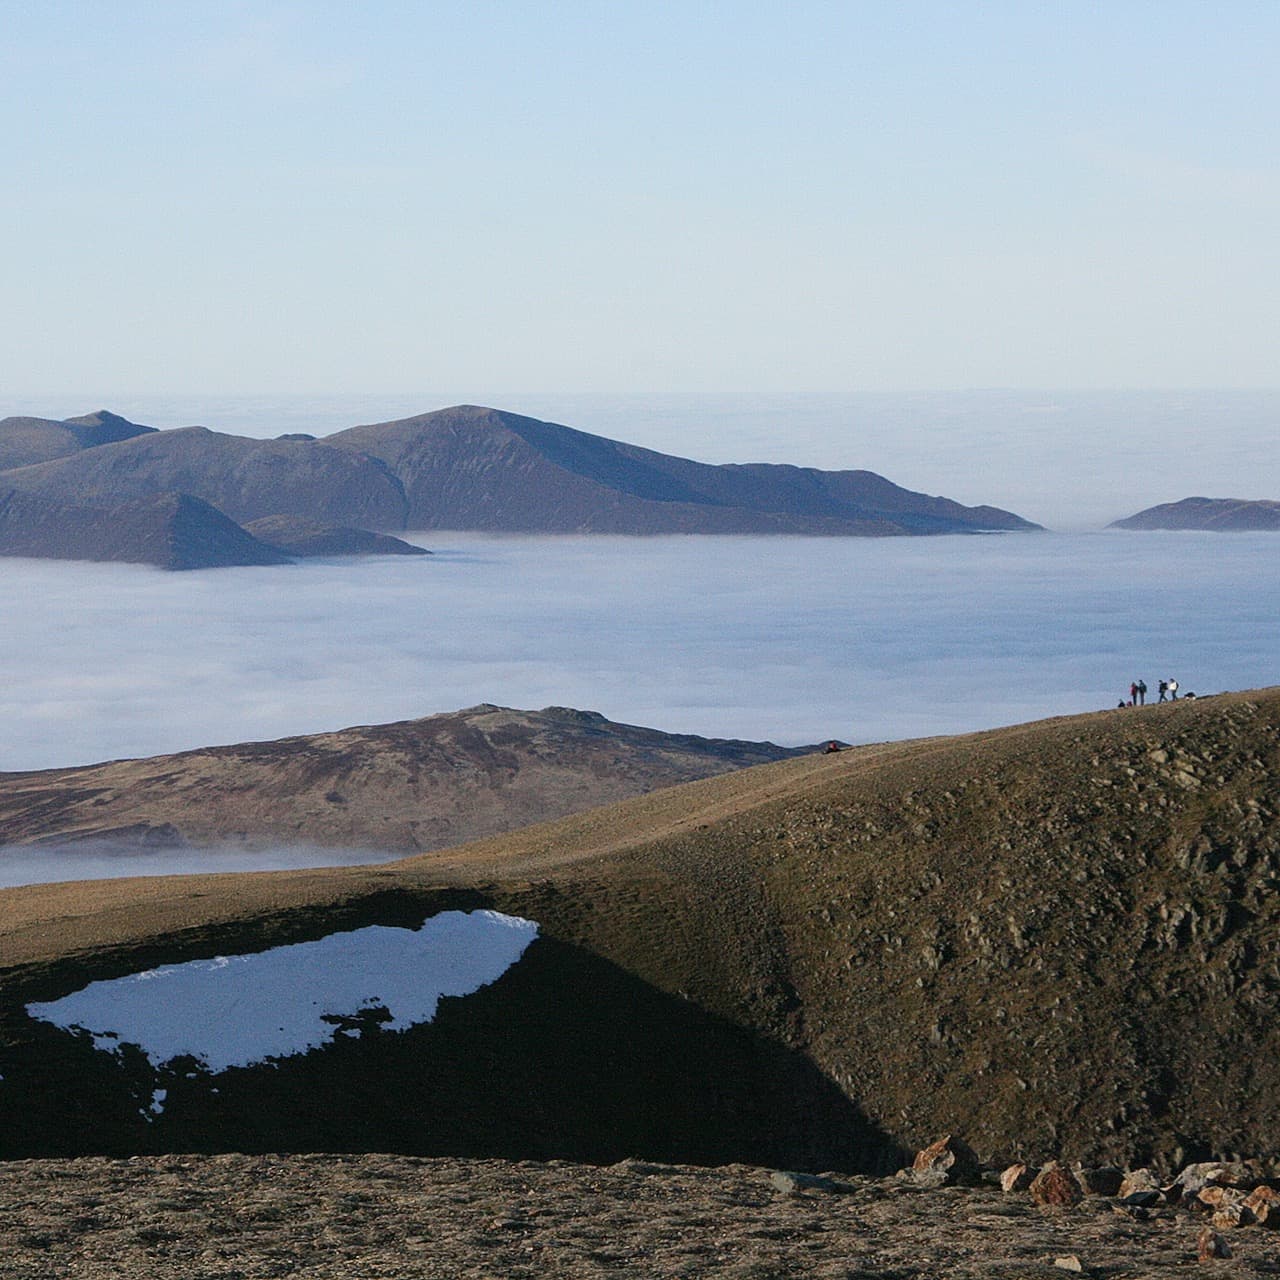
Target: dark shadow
566	1056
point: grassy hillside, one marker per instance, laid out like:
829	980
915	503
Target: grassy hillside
1058	938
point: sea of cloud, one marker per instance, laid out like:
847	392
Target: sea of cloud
791	639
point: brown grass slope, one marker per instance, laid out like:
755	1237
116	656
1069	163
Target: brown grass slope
1061	937
404	787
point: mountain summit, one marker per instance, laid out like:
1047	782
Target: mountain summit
474	468
470	467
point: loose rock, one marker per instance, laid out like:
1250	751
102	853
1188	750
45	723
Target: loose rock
950	1156
1056	1185
1211	1245
1017	1177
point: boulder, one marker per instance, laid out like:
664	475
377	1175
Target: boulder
1264	1204
1055	1184
949	1156
1210	1245
1017	1177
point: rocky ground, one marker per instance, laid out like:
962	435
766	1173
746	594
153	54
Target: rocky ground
371	1216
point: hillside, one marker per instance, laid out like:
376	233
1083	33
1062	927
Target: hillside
405	787
1056	938
1218	515
296	536
245	479
482	469
168	530
470	467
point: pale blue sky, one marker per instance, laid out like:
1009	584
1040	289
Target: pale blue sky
324	197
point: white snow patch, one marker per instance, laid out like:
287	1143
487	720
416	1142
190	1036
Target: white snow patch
234	1011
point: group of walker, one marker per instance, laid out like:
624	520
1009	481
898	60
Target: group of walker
1168	690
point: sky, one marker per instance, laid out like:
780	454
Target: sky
319	197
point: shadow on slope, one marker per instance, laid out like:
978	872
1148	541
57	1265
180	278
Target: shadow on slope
566	1056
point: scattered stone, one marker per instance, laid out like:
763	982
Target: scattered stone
1229	1216
1017	1177
1218	1173
1055	1184
792	1184
1142	1199
950	1156
1264	1204
1138	1180
1069	1262
1210	1245
1219	1197
925	1179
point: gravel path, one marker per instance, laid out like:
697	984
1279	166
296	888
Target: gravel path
235	1217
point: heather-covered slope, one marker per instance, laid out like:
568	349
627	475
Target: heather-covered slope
1218	515
475	468
405	787
1058	938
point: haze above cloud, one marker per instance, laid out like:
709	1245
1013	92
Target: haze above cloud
316	197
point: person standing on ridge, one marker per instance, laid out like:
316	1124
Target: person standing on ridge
1173	690
1133	693
1164	689
1142	693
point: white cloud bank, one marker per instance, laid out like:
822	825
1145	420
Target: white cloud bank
792	639
234	1011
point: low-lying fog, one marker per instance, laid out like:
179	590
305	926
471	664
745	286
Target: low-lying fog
43	864
792	639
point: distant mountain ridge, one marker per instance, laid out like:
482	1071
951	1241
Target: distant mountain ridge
1218	515
473	468
26	441
168	530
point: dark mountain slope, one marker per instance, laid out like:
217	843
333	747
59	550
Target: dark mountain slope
297	536
1058	938
245	479
170	531
25	441
471	467
1218	515
415	785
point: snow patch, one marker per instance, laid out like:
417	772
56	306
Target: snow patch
235	1011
